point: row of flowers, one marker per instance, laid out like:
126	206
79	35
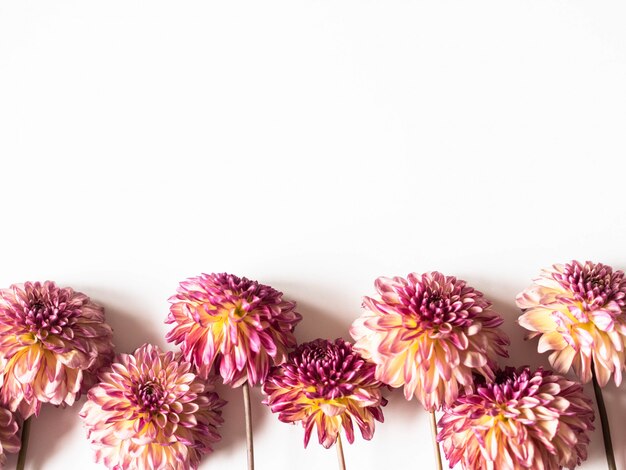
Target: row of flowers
432	335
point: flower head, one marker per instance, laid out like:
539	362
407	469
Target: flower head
326	385
523	420
579	312
234	325
429	332
150	411
52	341
9	437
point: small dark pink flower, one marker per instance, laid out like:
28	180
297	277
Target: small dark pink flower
326	386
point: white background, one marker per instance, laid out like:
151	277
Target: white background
312	145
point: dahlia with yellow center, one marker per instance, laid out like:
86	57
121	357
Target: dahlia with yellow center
326	386
429	333
579	312
9	436
523	420
233	326
151	412
52	342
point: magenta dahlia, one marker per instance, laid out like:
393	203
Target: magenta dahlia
429	333
232	325
524	420
579	312
326	386
52	342
151	412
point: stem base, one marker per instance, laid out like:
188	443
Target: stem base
21	459
248	412
433	428
604	419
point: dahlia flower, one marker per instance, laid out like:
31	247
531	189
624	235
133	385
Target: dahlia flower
523	420
52	341
232	325
326	385
579	312
150	411
428	333
9	437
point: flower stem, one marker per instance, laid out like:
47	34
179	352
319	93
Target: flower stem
340	459
248	413
606	430
21	459
433	428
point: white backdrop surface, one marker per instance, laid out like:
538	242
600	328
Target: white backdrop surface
312	145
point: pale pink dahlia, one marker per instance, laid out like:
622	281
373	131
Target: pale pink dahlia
232	325
326	385
523	420
579	312
9	436
429	332
52	341
150	411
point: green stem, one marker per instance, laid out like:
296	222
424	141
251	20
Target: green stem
21	459
604	420
433	428
248	412
340	459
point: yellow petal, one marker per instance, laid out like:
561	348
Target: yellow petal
562	360
550	341
538	319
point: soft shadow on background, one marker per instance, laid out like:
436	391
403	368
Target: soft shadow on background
318	322
234	429
48	432
126	315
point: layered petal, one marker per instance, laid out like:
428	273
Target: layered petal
9	435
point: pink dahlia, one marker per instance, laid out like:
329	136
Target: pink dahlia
429	333
52	341
232	325
326	385
523	420
9	436
150	411
579	312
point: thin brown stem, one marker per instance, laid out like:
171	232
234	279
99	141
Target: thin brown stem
340	459
248	413
21	459
604	420
433	428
